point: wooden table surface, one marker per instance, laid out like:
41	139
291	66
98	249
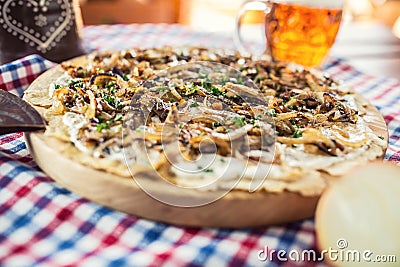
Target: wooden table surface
371	47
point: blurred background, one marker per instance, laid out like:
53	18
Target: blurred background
217	15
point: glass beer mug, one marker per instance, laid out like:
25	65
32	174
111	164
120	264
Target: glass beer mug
50	28
300	31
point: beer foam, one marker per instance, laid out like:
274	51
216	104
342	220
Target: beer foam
316	3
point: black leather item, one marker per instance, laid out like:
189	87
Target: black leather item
49	28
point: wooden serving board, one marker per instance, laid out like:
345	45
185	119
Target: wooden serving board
235	210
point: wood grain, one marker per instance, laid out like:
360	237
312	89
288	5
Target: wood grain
235	210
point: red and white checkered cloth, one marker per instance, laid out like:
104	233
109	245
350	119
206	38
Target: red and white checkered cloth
43	224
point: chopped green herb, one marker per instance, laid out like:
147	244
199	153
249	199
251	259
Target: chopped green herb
102	126
240	80
192	86
76	84
271	112
57	86
381	137
191	89
297	134
100	119
239	121
118	104
112	88
194	104
109	85
112	101
109	99
208	170
216	124
216	91
106	125
211	88
118	117
225	80
125	77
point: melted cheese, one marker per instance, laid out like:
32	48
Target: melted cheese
348	135
75	122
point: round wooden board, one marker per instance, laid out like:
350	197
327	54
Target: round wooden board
235	210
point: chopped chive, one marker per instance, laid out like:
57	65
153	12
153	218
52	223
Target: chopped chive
102	126
297	134
271	112
194	104
216	124
118	117
239	121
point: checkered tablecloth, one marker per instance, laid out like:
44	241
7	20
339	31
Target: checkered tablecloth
44	224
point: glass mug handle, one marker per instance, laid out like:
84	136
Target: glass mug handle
252	5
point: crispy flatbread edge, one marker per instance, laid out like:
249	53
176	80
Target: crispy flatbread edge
37	93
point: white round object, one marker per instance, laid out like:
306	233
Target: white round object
358	218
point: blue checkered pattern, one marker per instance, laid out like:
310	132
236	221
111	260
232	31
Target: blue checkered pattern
43	224
16	76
